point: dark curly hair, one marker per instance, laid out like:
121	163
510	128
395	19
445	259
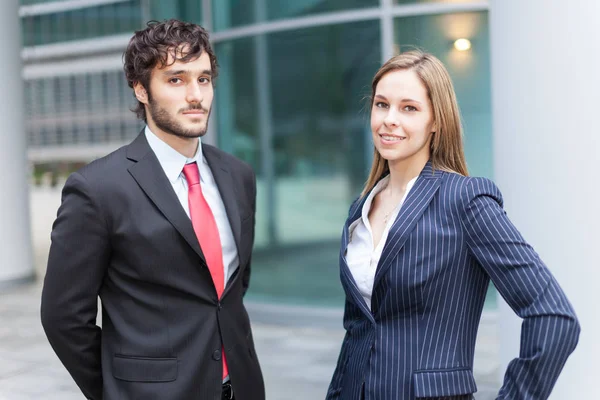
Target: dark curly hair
151	47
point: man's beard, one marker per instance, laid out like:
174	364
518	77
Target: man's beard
168	124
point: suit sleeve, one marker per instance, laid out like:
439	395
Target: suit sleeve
246	277
550	331
78	259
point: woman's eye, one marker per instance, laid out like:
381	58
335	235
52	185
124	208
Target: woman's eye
381	105
410	108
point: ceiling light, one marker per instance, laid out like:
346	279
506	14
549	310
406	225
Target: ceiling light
462	44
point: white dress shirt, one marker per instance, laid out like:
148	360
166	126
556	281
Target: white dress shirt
362	256
172	162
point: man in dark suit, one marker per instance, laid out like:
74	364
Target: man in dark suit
162	231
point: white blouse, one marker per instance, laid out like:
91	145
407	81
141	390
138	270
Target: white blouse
361	256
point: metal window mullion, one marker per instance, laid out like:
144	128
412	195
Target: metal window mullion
53	7
108	62
297	23
265	123
387	30
207	15
414	10
76	48
212	131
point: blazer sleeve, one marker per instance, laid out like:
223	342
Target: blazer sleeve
78	259
550	330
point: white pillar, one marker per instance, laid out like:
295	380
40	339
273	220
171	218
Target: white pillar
546	101
16	263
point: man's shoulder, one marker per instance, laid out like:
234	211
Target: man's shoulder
234	163
111	164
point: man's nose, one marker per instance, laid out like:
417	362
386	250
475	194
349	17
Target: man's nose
194	93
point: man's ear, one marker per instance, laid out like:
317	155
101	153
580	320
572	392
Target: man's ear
140	93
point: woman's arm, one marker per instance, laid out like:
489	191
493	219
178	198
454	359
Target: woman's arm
550	330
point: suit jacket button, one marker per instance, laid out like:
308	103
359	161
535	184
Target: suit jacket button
216	355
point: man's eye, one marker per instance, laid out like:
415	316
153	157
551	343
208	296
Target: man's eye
174	80
204	80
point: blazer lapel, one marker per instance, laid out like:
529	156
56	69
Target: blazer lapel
150	176
354	214
414	206
227	189
347	278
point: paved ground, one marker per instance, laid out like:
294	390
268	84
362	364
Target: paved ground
297	347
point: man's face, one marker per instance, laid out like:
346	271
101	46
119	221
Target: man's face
179	98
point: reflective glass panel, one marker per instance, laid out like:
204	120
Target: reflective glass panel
292	105
470	72
82	23
186	10
80	109
232	13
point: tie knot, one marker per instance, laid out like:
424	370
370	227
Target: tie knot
191	173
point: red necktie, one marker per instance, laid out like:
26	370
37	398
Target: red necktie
207	233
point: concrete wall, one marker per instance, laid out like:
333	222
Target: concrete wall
546	96
15	243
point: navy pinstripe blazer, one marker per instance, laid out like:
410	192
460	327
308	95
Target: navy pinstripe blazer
417	341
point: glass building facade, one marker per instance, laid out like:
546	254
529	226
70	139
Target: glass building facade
291	99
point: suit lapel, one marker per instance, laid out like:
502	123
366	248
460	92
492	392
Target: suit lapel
150	176
347	278
226	188
354	214
414	206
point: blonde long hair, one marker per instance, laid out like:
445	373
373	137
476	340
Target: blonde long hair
447	153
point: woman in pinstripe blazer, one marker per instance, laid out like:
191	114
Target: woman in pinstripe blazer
418	250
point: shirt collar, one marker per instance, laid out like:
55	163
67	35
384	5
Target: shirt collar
171	161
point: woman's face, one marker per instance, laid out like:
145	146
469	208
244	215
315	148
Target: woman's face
402	118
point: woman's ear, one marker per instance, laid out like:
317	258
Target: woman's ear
140	93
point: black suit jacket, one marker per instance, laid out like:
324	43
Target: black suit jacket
122	234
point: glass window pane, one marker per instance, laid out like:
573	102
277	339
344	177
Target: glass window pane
185	10
82	23
297	98
30	2
80	109
232	13
470	71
